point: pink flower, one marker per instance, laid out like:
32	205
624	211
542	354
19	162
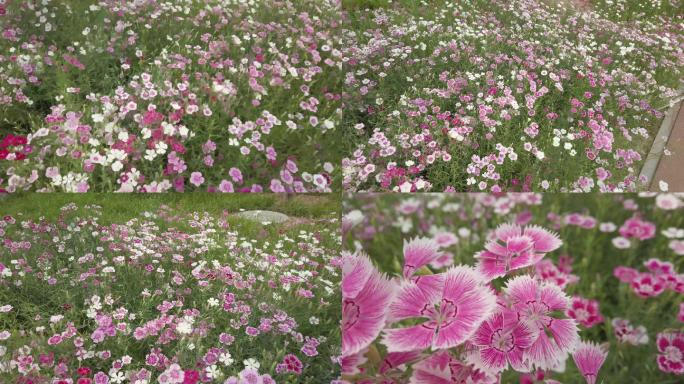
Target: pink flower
54	340
442	368
625	274
101	378
366	293
513	247
250	376
236	175
226	186
585	311
419	252
502	339
152	117
589	358
660	267
454	304
293	364
626	333
350	364
535	303
648	285
637	228
196	179
671	348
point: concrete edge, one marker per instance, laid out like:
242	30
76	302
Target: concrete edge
662	137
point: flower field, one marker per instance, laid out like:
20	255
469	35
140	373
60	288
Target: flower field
153	96
183	292
520	287
514	95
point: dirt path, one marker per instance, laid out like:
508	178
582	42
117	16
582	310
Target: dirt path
671	167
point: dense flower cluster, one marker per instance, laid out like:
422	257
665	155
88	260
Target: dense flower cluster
507	95
167	298
160	96
479	295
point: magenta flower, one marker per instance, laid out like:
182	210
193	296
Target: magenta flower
671	348
680	315
536	303
513	247
648	285
453	304
503	339
366	293
419	252
584	311
589	358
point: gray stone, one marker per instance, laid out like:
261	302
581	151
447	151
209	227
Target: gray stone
263	216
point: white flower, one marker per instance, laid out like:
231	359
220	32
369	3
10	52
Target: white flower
117	166
213	371
252	363
226	359
314	320
213	302
621	242
184	327
117	377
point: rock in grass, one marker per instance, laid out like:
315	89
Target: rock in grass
264	216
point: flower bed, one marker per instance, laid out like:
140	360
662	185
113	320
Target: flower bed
168	96
522	95
166	297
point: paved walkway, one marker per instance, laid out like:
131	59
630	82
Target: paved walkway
671	168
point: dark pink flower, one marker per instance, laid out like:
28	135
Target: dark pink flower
648	285
584	311
671	348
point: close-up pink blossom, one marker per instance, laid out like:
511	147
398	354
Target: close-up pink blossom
451	309
365	296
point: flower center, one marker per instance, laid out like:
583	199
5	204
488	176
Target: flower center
581	314
673	354
501	341
441	316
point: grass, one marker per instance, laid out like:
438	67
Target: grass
118	207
